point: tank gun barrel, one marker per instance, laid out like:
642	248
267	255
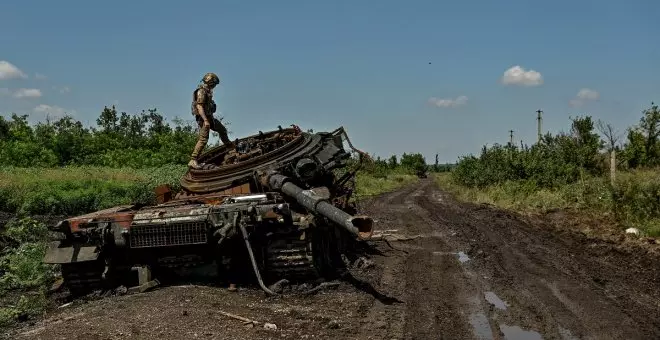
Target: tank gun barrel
359	226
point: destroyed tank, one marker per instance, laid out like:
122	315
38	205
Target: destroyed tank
278	205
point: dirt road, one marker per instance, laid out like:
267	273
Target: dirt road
464	272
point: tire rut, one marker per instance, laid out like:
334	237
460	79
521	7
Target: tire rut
427	277
550	289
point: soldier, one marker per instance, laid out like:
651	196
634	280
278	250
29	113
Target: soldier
203	108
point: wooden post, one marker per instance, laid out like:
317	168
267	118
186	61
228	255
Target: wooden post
612	166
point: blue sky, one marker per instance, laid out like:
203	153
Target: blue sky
374	67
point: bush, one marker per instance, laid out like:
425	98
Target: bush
568	170
556	161
636	200
24	278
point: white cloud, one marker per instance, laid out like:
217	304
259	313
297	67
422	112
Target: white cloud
9	71
62	89
40	76
584	95
27	93
448	102
20	93
517	75
53	110
588	94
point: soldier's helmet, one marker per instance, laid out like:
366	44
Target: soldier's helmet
211	79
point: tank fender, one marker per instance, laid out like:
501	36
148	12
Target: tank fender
57	254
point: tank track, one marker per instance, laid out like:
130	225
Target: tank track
83	277
290	257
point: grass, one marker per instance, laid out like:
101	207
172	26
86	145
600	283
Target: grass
634	201
368	185
72	190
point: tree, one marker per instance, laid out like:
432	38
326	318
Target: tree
413	162
612	136
392	162
642	148
650	125
108	119
634	150
587	143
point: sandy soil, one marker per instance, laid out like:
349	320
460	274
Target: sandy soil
462	271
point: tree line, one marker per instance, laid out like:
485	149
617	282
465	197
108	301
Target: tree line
566	157
119	140
140	140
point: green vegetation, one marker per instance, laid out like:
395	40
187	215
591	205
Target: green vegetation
571	171
120	140
24	279
74	189
63	168
378	176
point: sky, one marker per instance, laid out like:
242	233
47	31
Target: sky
435	77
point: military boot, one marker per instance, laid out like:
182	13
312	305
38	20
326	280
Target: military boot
193	164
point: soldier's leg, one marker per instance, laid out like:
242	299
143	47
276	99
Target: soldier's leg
222	130
201	142
235	246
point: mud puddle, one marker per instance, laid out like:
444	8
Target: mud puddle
517	333
463	257
481	326
495	300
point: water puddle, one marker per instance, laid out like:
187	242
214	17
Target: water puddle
481	326
495	300
517	333
463	257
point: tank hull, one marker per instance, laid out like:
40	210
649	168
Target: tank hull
230	214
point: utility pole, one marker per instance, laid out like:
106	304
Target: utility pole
539	119
511	137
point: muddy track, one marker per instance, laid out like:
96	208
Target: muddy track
463	272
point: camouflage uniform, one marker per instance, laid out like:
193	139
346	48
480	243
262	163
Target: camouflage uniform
203	96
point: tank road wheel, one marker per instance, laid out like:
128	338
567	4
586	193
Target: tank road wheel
82	278
289	255
328	248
